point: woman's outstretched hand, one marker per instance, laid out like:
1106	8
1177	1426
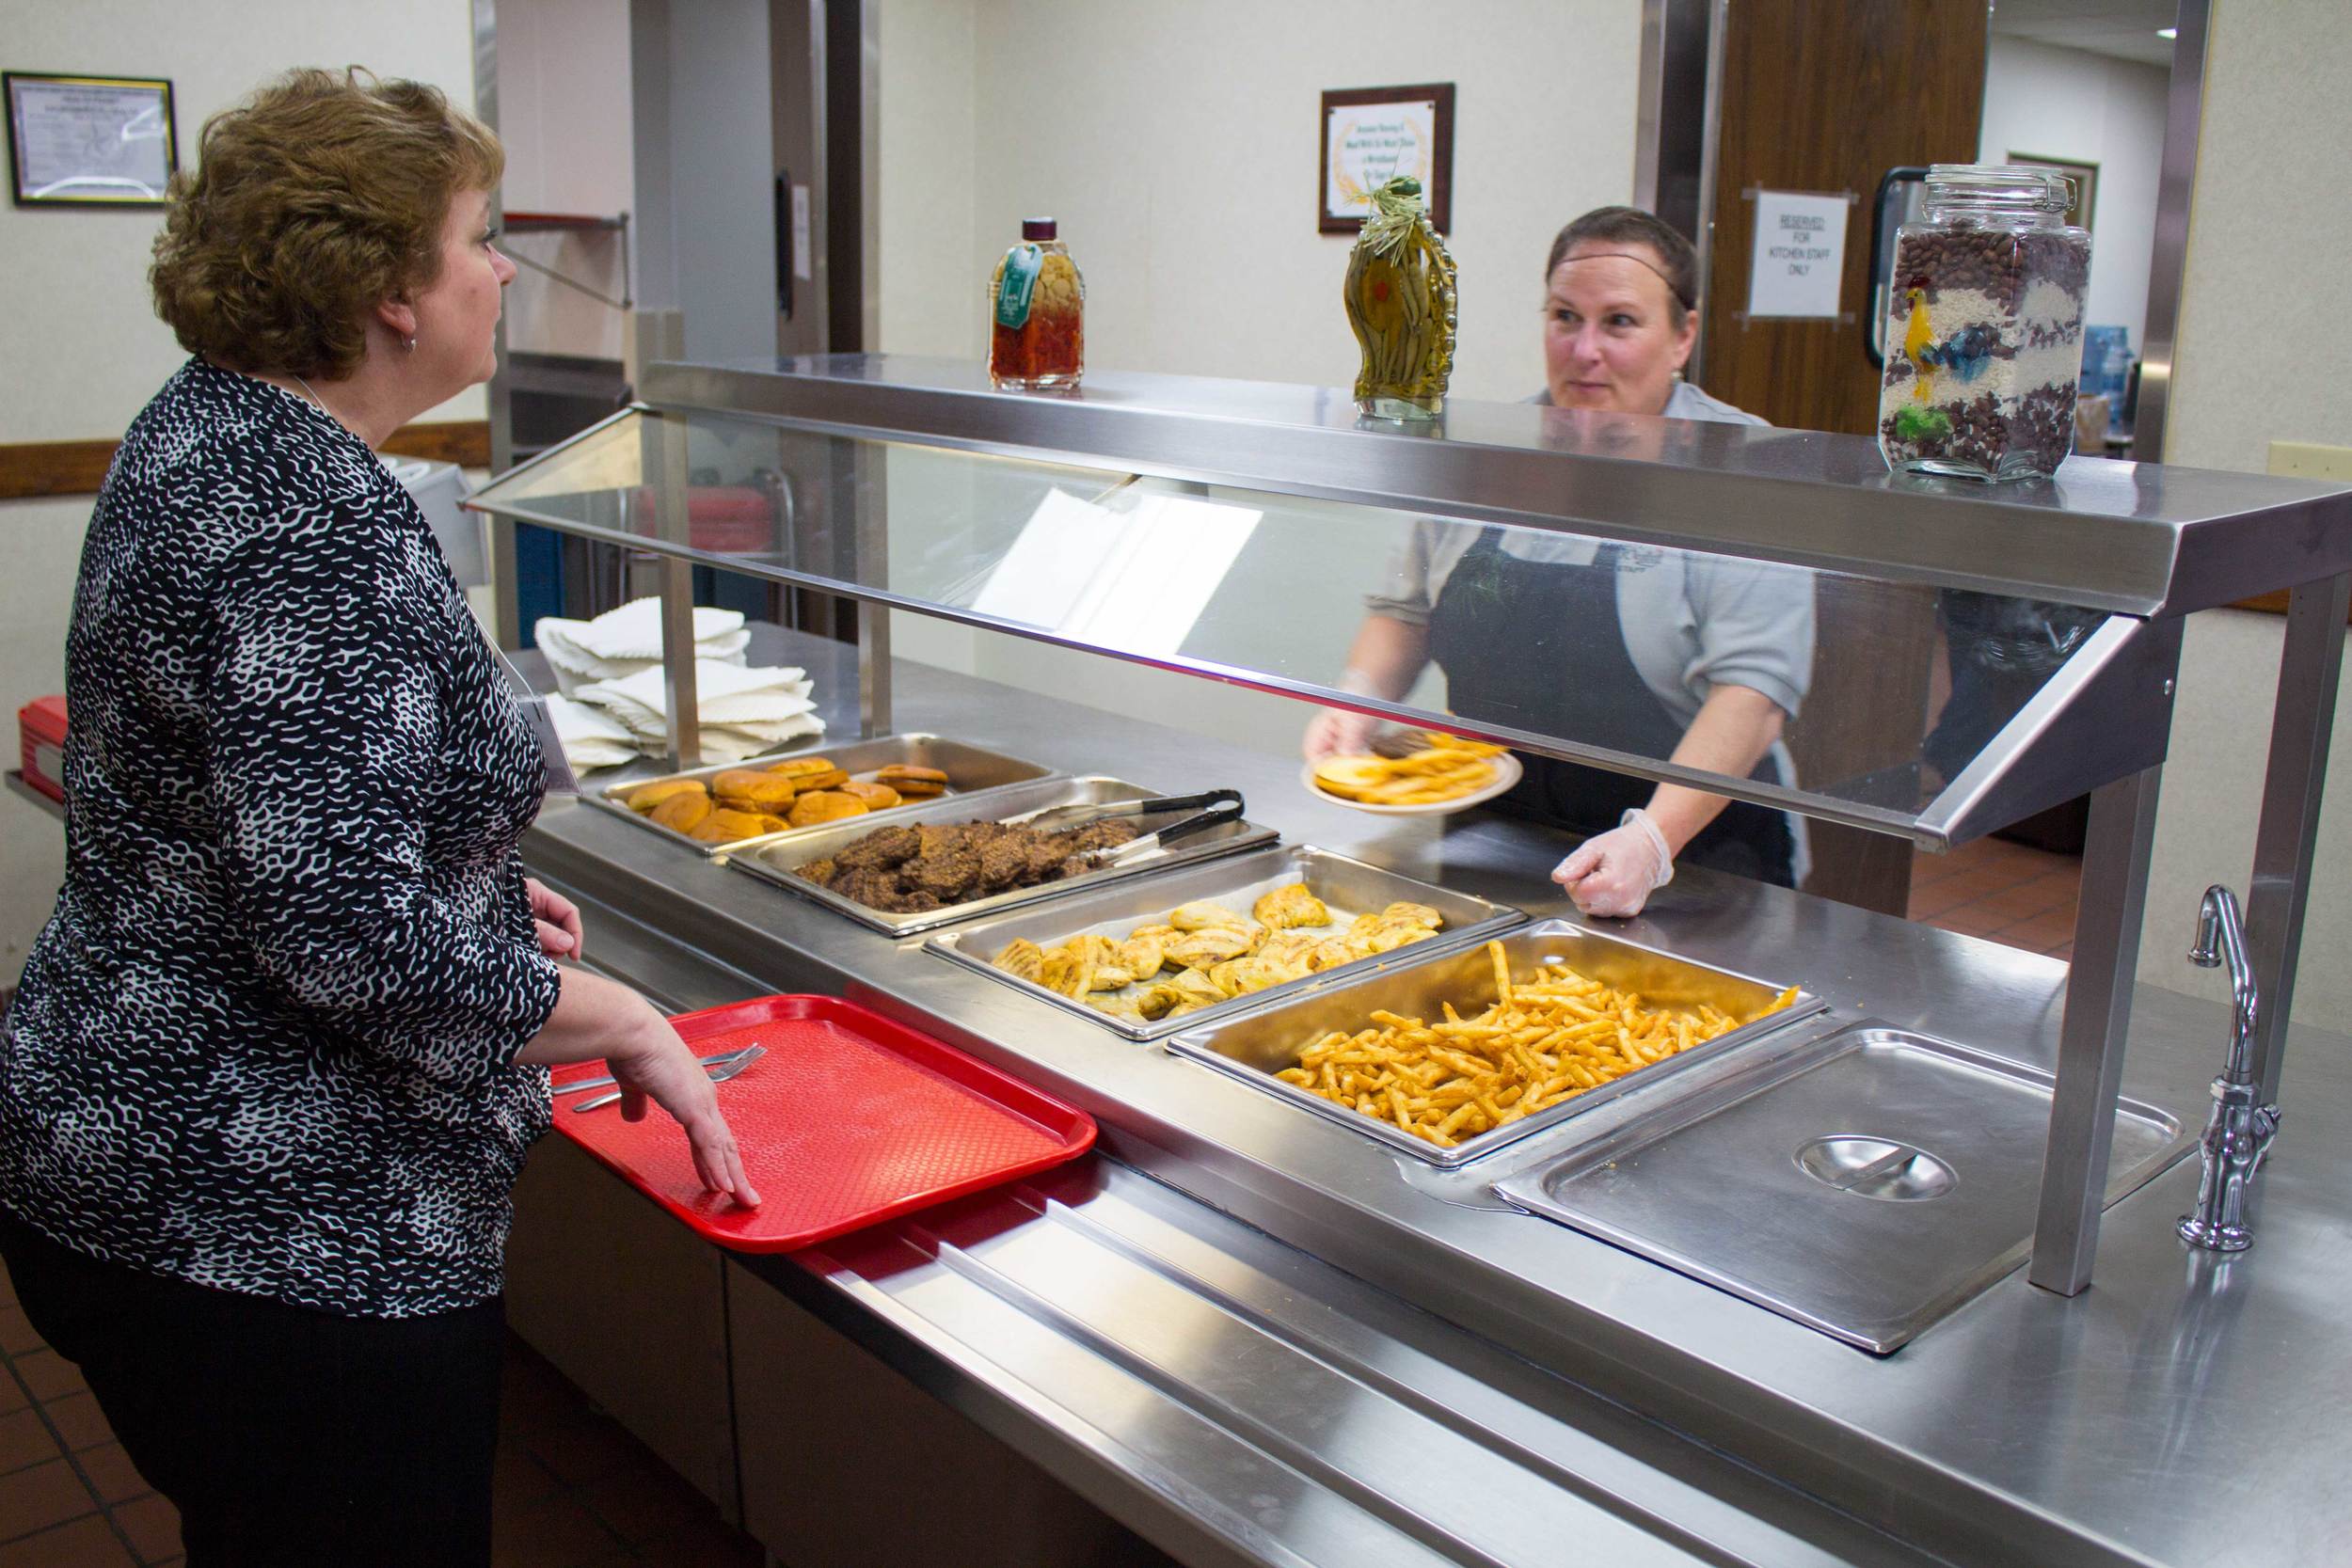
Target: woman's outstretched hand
660	1066
597	1018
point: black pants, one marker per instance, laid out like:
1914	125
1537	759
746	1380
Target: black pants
283	1436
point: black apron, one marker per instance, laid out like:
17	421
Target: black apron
1500	629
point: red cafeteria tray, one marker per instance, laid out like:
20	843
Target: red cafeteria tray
40	737
850	1118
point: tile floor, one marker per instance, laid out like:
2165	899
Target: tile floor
573	1489
2005	892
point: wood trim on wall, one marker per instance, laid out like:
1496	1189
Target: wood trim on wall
29	470
464	442
2271	604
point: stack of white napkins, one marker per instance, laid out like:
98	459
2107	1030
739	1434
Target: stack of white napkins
590	739
741	710
627	641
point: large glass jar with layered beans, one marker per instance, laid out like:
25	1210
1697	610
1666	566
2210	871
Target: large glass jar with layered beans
1984	328
1037	312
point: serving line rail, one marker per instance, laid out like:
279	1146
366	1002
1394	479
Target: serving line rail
2023	1428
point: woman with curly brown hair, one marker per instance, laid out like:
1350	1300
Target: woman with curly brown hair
278	1055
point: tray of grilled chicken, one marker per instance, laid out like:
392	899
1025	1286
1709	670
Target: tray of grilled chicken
952	860
1184	949
712	809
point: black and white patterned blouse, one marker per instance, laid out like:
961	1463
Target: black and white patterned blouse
267	1040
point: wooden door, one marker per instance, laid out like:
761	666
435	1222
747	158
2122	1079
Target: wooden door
1825	96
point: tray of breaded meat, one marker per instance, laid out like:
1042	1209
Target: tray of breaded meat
710	809
1176	951
951	860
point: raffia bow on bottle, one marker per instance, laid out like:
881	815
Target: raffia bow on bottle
1395	212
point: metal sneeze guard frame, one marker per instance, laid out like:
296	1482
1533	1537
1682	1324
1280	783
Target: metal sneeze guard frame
2135	540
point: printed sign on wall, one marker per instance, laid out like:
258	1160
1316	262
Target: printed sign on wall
1371	134
1799	254
89	140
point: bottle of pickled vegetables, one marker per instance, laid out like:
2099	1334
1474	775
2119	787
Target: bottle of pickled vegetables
1037	312
1400	301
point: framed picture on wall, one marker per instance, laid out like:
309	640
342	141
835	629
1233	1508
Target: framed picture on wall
2086	178
89	142
1371	134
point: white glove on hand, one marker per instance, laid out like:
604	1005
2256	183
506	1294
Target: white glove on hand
1614	873
1336	732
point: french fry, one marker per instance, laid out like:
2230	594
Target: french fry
1546	1038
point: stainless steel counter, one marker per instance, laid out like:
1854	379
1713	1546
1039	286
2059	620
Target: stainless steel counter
1257	1337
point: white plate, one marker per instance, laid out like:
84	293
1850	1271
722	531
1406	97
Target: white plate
1508	771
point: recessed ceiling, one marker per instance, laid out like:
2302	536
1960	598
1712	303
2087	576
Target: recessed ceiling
2126	29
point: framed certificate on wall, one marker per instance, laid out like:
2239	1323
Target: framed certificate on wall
84	141
1373	135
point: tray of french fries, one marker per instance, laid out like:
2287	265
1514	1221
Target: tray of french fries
1415	773
1455	1055
810	787
1183	948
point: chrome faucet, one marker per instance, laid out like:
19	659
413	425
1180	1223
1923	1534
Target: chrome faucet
2238	1133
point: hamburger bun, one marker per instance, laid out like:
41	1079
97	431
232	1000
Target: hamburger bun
646	797
825	805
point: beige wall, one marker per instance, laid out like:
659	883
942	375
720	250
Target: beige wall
929	294
81	320
80	348
563	113
1177	146
2260	324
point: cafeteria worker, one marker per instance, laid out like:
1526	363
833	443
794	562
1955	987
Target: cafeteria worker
1698	658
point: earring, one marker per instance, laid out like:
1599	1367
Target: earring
409	345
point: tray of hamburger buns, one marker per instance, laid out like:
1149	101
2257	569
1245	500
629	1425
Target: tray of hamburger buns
710	809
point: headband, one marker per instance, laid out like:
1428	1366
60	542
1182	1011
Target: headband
1688	303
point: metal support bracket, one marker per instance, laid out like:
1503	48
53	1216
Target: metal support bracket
2091	1037
667	434
873	669
2311	665
869	476
573	283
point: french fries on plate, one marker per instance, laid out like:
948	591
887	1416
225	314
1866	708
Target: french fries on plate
1447	769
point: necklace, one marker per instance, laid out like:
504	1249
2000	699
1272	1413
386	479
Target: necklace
321	403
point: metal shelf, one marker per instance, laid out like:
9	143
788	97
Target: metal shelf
533	223
2135	538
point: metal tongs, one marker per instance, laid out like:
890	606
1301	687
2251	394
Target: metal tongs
1215	806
